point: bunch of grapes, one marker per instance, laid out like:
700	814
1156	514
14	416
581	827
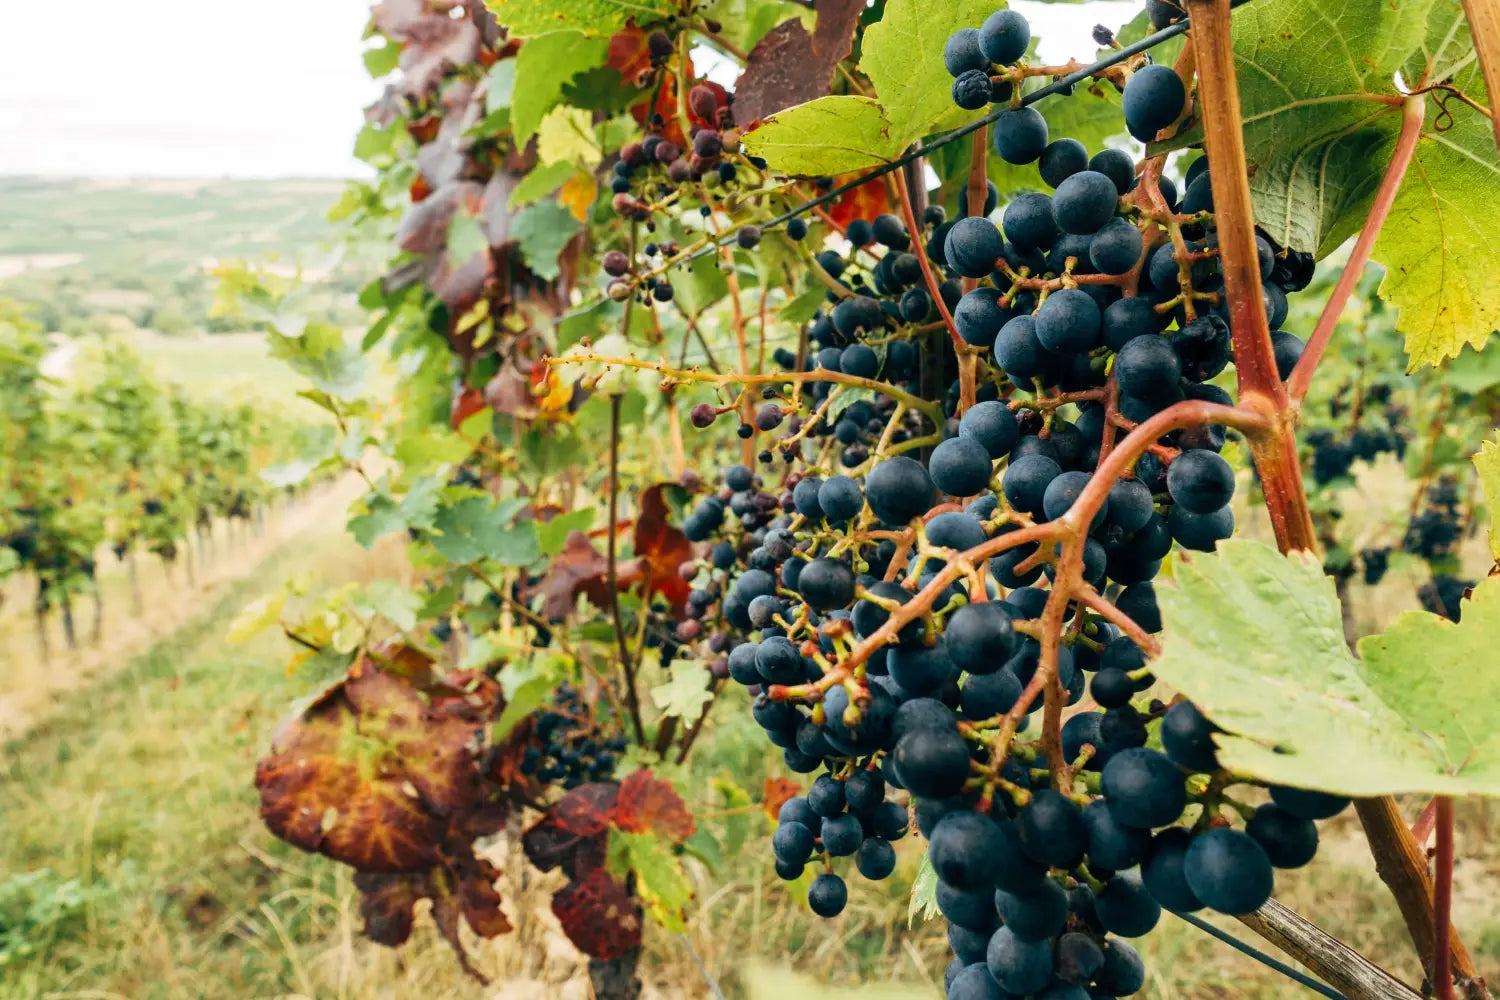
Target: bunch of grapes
571	749
1089	310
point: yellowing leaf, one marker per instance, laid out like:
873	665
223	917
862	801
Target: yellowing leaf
258	615
566	135
1487	461
578	195
685	693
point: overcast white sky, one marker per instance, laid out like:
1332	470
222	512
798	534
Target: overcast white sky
211	88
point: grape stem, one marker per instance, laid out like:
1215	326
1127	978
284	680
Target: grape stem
1442	902
626	665
1413	114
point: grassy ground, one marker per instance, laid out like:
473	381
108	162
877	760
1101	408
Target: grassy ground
132	865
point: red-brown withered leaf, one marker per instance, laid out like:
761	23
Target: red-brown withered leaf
386	900
862	202
775	794
372	771
549	846
649	804
578	569
663	548
598	916
587	809
788	66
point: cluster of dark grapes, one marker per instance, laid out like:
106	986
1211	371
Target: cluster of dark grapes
1081	291
1435	534
570	750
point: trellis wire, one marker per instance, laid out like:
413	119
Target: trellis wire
1269	961
1062	85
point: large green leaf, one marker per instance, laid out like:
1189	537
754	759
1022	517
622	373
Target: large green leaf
543	230
474	528
543	67
902	55
831	135
592	17
1255	639
1317	80
1487	463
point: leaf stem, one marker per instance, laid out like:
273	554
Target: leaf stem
1413	113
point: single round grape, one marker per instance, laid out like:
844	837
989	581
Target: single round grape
1153	98
1148	368
921	669
980	637
993	425
972	89
1068	322
842	835
966	944
973	246
1308	804
1020	135
1288	350
1200	481
1126	319
1111	845
1052	830
1037	914
1116	248
1130	505
827	895
1004	37
839	498
1020	967
974	910
1138	602
960	467
1204	347
965	850
826	584
979	316
1228	871
1162	873
1123	972
1062	159
1125	908
1117	165
955	530
1084	202
890	821
793	843
974	982
932	763
899	489
860	361
1289	841
1079	958
854	314
1187	737
962	52
985	696
1200	532
1143	788
1018	352
1026	480
1028	222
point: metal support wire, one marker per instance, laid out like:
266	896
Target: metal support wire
1267	960
1062	85
702	970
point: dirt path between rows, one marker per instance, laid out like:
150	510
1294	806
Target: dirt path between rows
31	686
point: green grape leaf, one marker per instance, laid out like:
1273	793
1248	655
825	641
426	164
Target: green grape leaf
541	182
902	54
831	135
388	599
805	306
735	821
1256	640
473	528
382	59
543	230
923	901
526	698
320	354
552	535
1487	463
501	85
1317	78
592	17
700	285
544	66
685	692
659	879
745	22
